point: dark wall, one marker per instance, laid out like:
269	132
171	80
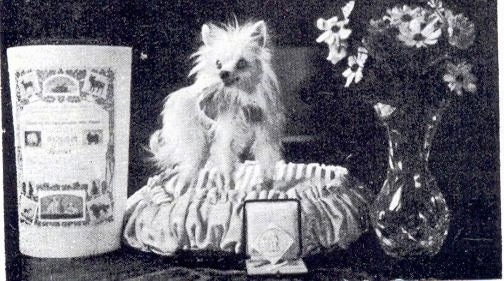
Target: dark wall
465	153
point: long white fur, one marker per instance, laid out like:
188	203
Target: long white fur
205	125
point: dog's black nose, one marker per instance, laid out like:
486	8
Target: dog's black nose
224	75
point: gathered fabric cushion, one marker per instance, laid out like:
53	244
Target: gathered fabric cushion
209	216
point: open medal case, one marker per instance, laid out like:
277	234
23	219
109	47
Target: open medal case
272	230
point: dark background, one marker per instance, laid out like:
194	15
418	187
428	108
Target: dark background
340	130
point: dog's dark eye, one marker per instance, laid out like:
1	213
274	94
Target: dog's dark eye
241	64
219	64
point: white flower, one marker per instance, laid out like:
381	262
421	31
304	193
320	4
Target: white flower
335	33
355	66
384	110
459	77
334	30
461	32
415	35
336	53
403	16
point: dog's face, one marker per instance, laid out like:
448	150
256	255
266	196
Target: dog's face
233	55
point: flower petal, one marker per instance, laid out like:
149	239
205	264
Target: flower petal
358	75
361	59
352	60
407	40
433	35
470	87
347	9
448	77
347	72
349	79
336	54
344	33
335	59
361	49
430	41
415	25
321	24
451	67
324	37
470	77
429	28
335	40
332	22
465	67
384	110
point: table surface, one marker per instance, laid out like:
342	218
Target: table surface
363	260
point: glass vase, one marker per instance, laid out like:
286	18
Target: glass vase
410	215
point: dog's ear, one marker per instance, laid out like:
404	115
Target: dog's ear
260	33
206	34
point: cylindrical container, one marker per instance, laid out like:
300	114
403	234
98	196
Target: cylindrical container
71	107
2	233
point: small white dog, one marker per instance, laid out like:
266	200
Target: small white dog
232	108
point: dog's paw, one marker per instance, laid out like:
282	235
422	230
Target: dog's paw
220	178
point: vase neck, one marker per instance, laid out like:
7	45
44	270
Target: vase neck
406	151
410	141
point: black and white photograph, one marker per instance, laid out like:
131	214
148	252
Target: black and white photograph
251	140
56	206
93	137
33	138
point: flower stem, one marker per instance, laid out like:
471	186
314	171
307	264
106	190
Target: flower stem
435	62
433	120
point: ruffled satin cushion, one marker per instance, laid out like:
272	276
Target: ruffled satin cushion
208	216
